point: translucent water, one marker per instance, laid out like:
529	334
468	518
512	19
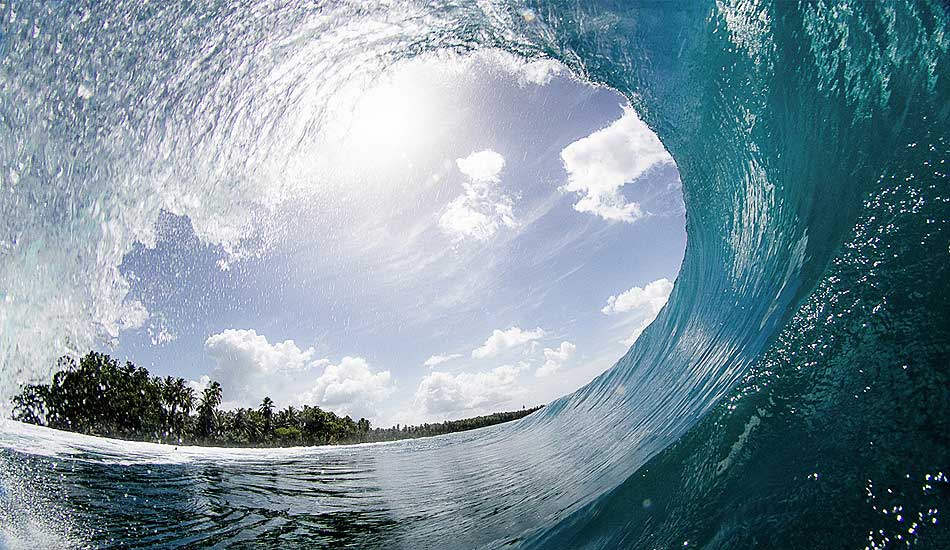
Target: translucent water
792	394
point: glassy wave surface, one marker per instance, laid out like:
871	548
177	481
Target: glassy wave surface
792	394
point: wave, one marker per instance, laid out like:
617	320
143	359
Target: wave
793	393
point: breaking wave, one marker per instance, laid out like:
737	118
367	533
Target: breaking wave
793	393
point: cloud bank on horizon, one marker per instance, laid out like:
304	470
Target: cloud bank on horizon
248	367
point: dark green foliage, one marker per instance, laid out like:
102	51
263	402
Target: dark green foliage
97	396
100	397
446	427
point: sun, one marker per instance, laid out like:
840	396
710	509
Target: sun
395	121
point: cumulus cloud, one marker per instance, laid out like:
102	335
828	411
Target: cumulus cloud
443	392
645	303
501	340
439	359
243	356
200	384
483	209
650	298
482	166
599	165
555	358
250	368
350	387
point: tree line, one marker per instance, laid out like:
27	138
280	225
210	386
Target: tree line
99	396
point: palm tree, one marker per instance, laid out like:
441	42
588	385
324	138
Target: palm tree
287	418
362	428
186	403
168	392
267	413
210	399
212	395
243	425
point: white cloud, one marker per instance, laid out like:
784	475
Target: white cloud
645	303
484	208
563	353
600	164
444	393
439	359
501	340
130	315
240	353
482	166
555	358
200	384
650	298
547	369
350	388
250	368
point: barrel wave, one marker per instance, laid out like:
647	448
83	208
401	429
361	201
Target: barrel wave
793	393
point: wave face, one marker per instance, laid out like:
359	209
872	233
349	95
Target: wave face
793	393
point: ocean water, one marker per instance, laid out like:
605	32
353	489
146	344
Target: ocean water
792	394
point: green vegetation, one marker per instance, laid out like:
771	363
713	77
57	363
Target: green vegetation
98	396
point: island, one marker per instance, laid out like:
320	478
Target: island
99	396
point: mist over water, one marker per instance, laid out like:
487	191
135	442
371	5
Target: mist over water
793	392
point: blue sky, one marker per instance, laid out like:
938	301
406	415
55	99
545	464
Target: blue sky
470	234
